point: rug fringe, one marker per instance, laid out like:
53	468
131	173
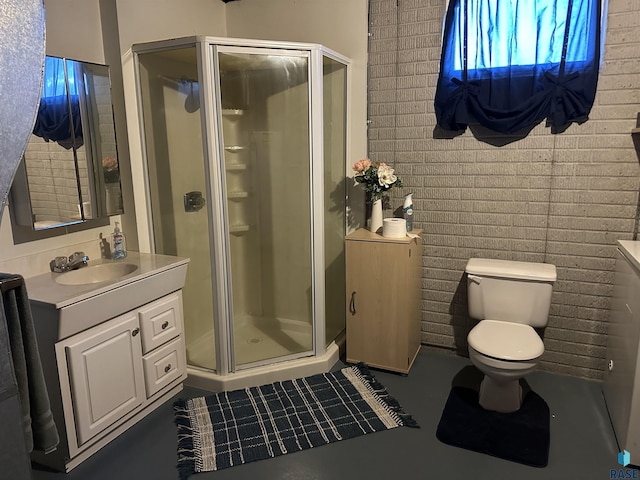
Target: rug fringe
186	456
389	401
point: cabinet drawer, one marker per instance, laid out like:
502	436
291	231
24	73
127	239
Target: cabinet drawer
160	321
164	365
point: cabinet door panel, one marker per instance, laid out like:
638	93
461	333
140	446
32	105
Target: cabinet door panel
377	331
106	374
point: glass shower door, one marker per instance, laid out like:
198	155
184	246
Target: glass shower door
334	96
177	185
265	144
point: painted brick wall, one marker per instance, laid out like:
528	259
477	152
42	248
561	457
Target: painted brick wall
52	180
563	199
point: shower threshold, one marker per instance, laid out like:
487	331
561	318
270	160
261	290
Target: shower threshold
276	372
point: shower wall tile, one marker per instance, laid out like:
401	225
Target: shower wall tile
563	199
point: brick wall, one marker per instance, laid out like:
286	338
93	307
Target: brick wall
563	199
52	180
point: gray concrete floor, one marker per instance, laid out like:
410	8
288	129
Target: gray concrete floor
583	445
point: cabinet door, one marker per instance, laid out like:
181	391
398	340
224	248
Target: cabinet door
106	376
378	314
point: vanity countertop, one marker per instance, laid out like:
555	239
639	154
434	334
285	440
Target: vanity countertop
44	289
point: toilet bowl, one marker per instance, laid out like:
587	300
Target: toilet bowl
504	352
510	299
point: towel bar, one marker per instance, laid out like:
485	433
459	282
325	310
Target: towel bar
10	282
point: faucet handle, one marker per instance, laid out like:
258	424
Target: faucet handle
77	256
58	264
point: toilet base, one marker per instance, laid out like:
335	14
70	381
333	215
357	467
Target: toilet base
501	397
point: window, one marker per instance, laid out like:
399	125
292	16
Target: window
509	64
54	82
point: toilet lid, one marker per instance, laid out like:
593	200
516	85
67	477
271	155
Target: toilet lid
505	340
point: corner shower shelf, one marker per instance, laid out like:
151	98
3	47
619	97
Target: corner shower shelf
237	195
236	166
239	228
232	111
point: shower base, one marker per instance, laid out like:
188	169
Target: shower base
258	339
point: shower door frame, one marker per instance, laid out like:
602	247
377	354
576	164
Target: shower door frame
215	183
214	156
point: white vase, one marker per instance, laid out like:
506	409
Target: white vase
376	216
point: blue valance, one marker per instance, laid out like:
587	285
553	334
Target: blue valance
60	104
53	122
509	64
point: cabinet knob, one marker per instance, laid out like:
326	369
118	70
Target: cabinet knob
167	368
352	303
135	332
164	325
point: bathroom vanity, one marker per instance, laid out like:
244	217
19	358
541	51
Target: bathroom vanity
621	386
112	347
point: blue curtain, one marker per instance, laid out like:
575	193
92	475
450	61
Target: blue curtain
59	104
509	64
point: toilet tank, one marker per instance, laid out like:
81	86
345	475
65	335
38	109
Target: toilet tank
509	291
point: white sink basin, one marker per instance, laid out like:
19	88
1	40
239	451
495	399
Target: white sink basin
104	272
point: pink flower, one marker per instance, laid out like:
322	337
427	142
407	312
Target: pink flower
109	163
361	166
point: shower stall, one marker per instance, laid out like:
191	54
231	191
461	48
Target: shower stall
244	145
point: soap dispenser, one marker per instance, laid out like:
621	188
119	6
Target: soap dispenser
118	244
407	210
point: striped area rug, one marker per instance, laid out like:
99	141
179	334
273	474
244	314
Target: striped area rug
241	426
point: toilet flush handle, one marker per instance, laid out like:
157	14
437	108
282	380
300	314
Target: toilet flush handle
474	278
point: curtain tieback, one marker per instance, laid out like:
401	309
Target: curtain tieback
565	79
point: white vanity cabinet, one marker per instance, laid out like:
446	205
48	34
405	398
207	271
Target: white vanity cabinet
127	360
621	382
114	367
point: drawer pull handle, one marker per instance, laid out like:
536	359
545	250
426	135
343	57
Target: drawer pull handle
164	325
352	303
167	368
135	332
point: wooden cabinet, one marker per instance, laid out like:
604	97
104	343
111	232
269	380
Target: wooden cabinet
383	299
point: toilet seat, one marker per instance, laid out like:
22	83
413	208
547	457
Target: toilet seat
506	340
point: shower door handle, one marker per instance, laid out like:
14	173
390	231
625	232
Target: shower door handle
193	201
352	303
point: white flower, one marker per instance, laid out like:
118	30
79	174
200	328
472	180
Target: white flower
386	176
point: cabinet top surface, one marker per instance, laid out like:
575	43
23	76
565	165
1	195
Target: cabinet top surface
44	288
364	235
631	250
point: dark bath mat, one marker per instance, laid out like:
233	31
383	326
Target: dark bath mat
521	436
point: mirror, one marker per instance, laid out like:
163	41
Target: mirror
69	178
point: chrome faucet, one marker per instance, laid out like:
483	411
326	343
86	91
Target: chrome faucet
64	264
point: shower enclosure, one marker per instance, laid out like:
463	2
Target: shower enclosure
245	151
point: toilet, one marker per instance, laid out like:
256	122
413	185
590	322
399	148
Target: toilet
510	299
